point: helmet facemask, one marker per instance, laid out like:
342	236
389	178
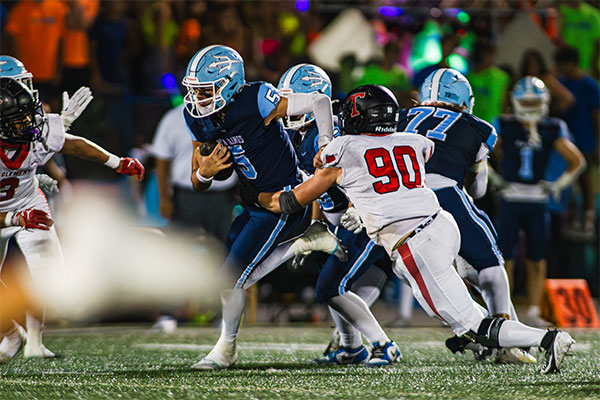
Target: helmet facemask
204	98
296	122
530	109
24	127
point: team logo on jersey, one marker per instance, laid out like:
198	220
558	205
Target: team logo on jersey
329	158
353	98
223	63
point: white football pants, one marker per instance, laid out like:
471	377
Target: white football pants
425	261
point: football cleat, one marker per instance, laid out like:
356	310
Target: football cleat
10	346
223	355
334	342
384	354
557	344
318	238
345	356
39	351
514	355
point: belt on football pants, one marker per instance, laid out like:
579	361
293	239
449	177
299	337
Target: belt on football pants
418	229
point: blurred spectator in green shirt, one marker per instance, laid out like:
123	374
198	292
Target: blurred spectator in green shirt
580	28
489	83
387	72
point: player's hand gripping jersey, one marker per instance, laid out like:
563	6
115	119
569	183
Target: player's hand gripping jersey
18	163
461	139
383	176
263	154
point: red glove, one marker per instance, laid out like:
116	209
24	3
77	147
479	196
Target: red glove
34	219
131	166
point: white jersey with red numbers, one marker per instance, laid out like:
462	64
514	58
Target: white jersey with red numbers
383	176
18	164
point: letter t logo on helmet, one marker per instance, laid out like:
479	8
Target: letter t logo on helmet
353	98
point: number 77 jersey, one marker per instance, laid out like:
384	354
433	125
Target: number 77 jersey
383	176
460	139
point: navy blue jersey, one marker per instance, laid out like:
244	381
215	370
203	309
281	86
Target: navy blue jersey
521	161
458	138
307	147
263	154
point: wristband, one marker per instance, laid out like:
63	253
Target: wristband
113	161
8	220
203	179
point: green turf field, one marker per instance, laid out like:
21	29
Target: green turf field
125	363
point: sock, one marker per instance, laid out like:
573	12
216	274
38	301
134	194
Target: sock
406	302
516	334
34	331
369	294
354	310
349	335
280	255
493	283
232	304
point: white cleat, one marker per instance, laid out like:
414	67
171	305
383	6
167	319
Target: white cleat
557	344
10	346
221	356
39	351
514	355
318	238
384	353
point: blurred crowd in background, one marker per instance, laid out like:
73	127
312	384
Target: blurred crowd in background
133	55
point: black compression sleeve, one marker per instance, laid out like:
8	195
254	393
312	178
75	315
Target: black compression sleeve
288	203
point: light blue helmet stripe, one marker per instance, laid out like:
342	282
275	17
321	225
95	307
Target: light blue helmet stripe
290	75
194	65
435	84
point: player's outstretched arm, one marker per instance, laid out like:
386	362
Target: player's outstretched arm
204	168
295	200
81	147
575	165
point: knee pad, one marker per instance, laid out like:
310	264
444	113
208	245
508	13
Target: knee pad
487	333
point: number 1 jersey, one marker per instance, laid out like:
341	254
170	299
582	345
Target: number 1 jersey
383	176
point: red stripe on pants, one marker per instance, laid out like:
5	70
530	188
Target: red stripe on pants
411	265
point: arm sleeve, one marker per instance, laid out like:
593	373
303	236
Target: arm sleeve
318	104
563	130
479	185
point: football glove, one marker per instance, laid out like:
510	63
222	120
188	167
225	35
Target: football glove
74	106
131	166
48	185
30	218
351	220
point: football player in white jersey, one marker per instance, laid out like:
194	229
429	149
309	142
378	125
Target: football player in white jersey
382	173
28	139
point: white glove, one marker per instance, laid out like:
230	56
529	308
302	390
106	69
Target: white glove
351	220
74	106
48	185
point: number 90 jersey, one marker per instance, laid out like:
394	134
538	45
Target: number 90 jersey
383	176
263	154
18	164
460	139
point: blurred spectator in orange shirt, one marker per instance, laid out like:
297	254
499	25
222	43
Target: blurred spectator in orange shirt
37	29
76	44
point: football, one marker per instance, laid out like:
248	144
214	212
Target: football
205	150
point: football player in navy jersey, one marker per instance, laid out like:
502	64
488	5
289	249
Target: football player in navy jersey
462	143
527	139
337	276
242	117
